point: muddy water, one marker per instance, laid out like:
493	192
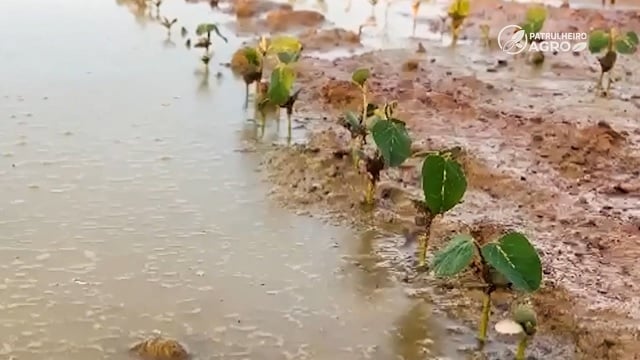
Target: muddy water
126	208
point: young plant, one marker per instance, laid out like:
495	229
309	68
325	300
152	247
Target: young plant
415	7
458	11
523	322
357	124
443	186
157	4
247	63
168	24
509	261
205	41
183	32
613	42
280	94
393	147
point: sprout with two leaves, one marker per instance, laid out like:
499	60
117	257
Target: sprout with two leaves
205	41
458	11
357	124
248	63
523	322
393	147
613	42
279	90
168	24
510	261
443	186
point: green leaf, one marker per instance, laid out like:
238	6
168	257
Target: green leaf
455	257
598	41
252	55
288	57
627	43
352	119
392	140
443	183
208	28
284	44
515	258
459	8
536	14
360	76
281	83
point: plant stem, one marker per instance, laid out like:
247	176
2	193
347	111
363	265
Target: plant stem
522	346
369	194
424	242
355	147
484	318
365	104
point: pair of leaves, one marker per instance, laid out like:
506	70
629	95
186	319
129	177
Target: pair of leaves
624	44
512	255
443	183
207	28
281	84
392	139
459	9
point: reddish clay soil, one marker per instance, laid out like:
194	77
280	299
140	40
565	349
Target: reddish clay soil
543	153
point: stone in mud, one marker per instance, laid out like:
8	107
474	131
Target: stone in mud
159	348
284	19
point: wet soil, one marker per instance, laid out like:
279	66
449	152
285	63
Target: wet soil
543	153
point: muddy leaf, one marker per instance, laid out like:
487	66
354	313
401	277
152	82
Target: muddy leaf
598	41
455	257
515	258
392	140
443	183
360	76
352	119
282	79
208	28
627	44
252	55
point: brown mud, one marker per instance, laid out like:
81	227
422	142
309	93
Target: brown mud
543	154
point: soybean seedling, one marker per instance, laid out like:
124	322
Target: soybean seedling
357	124
508	261
458	11
248	63
613	42
443	186
168	24
393	147
280	94
523	322
204	32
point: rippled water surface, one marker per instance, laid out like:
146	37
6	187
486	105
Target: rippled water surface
127	210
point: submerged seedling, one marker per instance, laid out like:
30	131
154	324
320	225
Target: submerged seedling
168	24
523	322
280	94
510	261
415	7
183	32
248	63
458	12
612	42
443	186
204	31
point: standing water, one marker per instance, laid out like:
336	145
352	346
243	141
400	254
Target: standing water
127	210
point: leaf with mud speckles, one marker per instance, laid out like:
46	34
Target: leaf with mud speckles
443	183
392	140
627	43
515	258
455	257
282	79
